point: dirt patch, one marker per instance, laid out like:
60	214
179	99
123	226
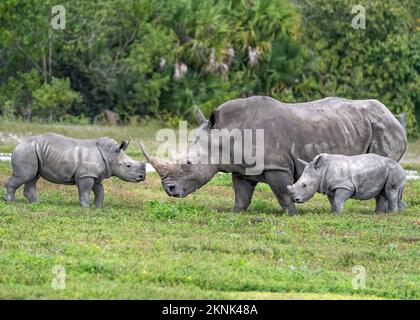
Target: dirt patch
410	239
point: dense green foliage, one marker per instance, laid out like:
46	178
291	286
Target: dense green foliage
380	62
163	58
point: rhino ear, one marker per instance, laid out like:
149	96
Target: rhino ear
318	160
124	145
200	116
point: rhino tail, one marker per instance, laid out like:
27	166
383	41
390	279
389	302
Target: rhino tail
401	203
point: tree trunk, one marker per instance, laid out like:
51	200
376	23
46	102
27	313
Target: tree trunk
50	54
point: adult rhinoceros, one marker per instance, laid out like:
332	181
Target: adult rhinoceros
331	125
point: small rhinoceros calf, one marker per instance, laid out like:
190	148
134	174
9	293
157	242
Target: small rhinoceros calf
360	177
64	160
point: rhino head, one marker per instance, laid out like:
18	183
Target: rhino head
187	174
118	163
309	181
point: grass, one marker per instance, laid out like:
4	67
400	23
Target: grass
145	245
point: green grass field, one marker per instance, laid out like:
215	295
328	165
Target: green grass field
145	245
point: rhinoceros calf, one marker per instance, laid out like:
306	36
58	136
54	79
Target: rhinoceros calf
64	160
360	177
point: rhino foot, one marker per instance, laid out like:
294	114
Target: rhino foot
401	205
9	198
291	210
238	210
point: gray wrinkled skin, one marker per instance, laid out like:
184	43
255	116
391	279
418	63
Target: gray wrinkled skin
359	177
331	125
64	160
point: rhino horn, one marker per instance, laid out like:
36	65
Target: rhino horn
200	116
159	165
302	161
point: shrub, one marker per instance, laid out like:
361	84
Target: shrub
52	100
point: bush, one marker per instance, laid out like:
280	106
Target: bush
154	58
380	62
53	100
9	110
17	93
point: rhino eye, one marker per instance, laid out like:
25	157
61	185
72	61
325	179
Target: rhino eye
186	165
128	166
304	185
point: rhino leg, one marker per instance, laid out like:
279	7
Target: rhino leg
381	203
12	184
392	195
98	191
278	182
401	205
84	186
25	169
340	196
393	202
393	190
243	192
29	191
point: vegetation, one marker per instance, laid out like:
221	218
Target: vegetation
163	58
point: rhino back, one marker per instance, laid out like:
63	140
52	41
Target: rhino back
63	159
366	174
330	125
